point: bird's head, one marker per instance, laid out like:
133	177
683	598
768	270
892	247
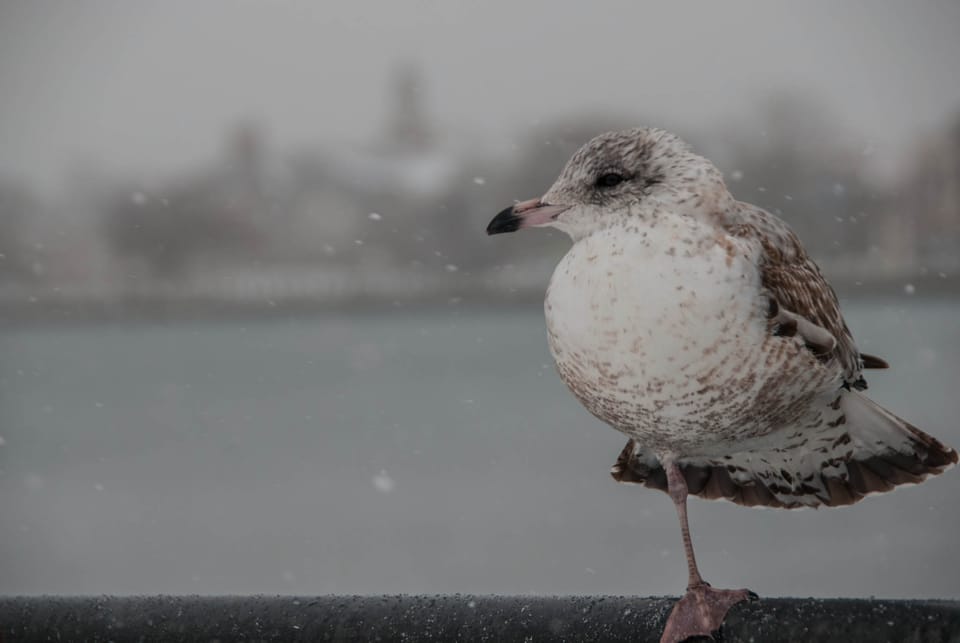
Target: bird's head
618	176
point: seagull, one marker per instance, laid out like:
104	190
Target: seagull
698	326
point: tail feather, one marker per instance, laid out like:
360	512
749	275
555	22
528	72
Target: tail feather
863	450
872	361
878	432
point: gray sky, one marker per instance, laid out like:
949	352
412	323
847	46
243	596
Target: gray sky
137	86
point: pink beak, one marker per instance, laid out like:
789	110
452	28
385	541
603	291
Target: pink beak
526	214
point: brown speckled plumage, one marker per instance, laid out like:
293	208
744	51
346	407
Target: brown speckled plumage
795	282
698	326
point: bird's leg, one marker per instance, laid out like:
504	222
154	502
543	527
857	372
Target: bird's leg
677	487
702	609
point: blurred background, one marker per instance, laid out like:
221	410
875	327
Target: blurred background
253	337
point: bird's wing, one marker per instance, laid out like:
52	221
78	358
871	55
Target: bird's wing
802	302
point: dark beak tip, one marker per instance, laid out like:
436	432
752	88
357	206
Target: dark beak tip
505	221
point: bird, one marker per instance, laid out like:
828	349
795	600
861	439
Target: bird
698	326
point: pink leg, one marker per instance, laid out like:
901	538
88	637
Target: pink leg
702	609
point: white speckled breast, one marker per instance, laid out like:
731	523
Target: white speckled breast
662	333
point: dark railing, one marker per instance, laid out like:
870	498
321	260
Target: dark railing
456	618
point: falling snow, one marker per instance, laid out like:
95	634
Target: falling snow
383	483
379	348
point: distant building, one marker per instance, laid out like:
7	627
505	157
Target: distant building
18	256
369	204
221	214
921	226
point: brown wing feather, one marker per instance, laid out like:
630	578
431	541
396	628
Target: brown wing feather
791	277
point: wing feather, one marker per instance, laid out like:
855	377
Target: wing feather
795	283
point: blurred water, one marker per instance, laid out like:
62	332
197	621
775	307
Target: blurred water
409	452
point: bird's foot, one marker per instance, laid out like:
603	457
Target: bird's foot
701	612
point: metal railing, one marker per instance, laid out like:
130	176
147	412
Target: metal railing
456	618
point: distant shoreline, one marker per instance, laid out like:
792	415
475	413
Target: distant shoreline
59	308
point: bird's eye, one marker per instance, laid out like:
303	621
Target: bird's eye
609	180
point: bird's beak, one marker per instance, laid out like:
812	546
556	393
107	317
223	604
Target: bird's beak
525	214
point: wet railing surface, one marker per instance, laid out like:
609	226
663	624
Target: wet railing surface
457	618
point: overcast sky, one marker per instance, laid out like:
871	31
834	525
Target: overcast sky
138	86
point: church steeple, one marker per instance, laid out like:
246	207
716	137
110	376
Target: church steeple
408	128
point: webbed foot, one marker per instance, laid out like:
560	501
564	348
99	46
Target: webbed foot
701	612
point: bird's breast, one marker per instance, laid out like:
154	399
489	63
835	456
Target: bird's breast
652	328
